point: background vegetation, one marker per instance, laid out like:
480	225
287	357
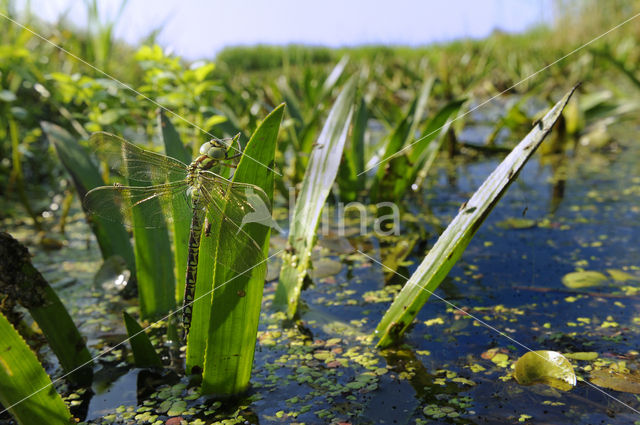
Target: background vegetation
232	93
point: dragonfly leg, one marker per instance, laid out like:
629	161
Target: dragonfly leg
229	165
235	140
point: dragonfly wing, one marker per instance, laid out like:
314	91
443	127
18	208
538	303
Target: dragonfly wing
238	251
134	163
236	205
149	207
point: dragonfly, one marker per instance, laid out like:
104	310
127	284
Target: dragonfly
161	189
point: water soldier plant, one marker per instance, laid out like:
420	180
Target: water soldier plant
234	236
319	177
173	190
453	241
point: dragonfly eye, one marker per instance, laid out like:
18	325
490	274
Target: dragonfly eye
217	153
204	149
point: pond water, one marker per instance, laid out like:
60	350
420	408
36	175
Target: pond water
585	217
563	214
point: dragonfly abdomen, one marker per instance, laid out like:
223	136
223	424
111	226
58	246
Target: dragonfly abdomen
192	265
201	163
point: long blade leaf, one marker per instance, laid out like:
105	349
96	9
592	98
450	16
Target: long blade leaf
452	243
111	236
226	321
144	355
173	147
25	388
316	185
23	283
233	322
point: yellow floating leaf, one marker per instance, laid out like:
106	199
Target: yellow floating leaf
588	355
436	321
584	279
500	359
545	367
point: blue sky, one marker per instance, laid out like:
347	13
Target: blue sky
198	29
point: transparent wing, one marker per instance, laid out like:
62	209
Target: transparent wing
236	207
148	207
239	207
135	163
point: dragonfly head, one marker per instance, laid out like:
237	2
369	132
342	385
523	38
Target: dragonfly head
218	149
214	149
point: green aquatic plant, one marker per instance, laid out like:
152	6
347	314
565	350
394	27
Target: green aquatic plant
454	240
144	355
22	284
150	208
25	388
163	189
229	322
316	185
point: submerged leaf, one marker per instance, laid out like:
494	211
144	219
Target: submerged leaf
516	223
621	276
584	279
616	380
325	267
545	367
